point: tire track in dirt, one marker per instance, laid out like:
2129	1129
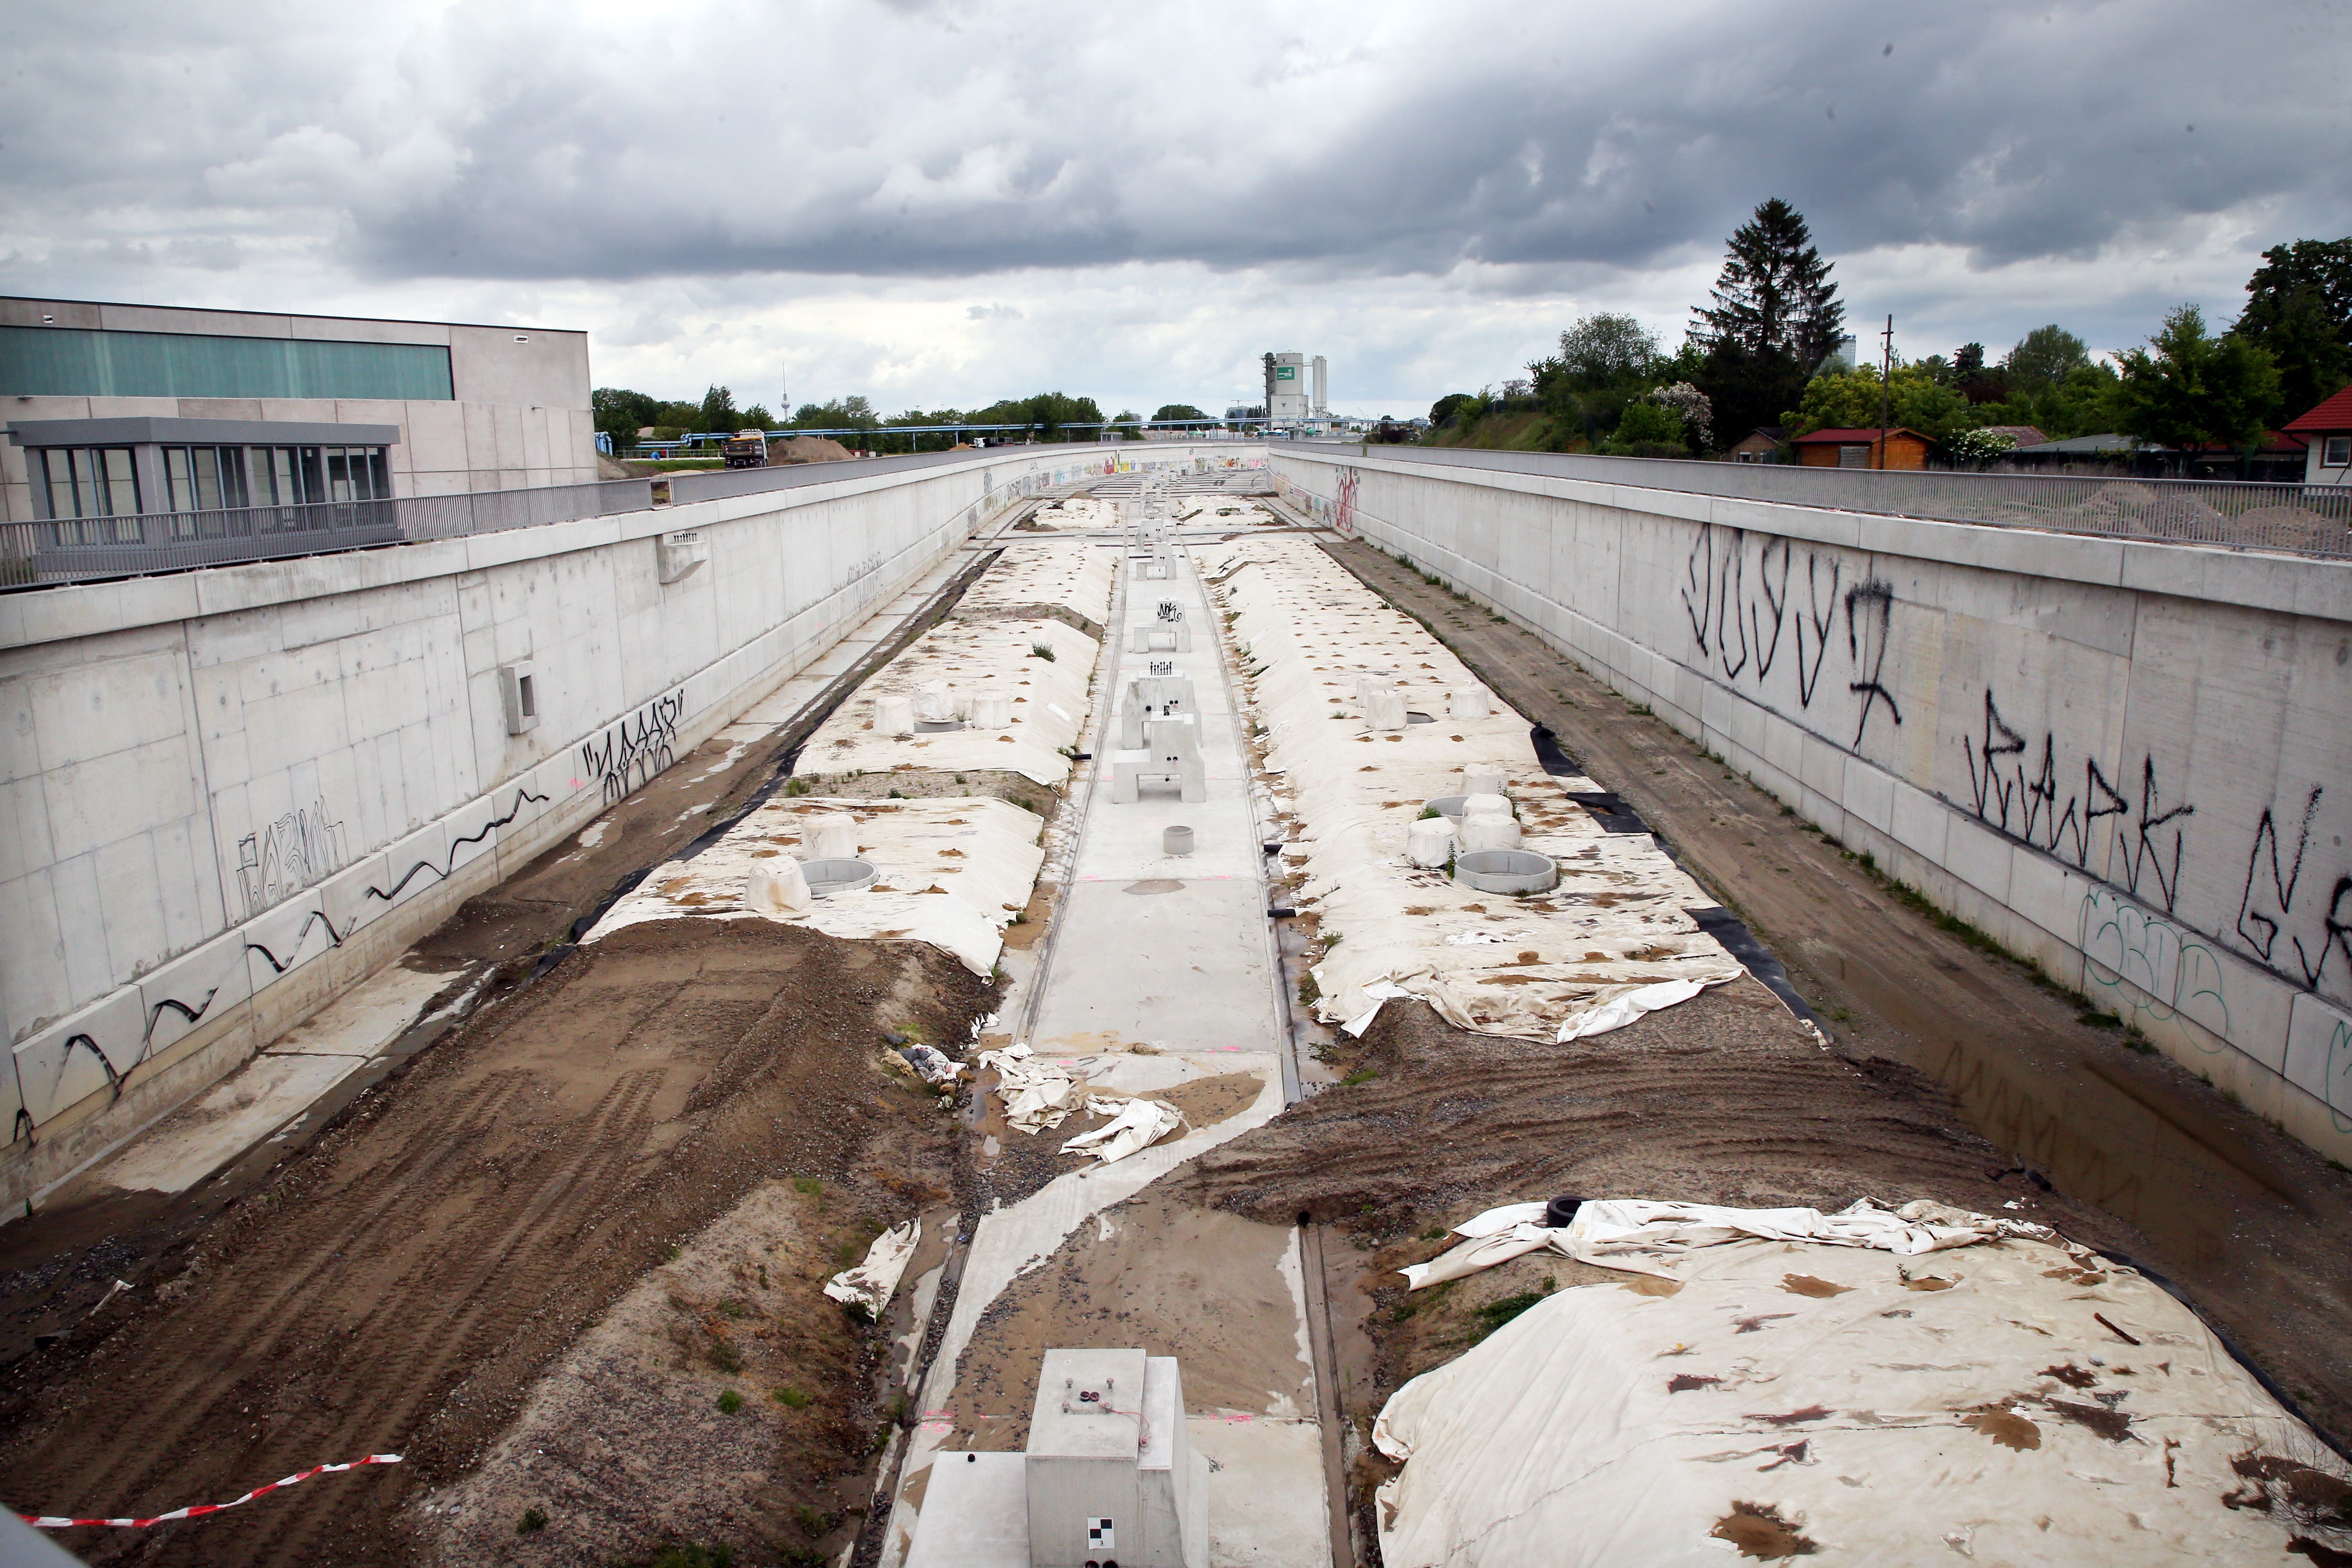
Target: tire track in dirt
400	1284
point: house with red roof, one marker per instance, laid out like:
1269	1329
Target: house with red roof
1861	449
2326	433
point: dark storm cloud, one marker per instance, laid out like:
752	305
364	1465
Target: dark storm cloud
515	141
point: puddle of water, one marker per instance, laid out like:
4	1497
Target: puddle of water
1154	885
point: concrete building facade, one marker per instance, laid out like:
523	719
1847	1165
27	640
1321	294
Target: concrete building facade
116	409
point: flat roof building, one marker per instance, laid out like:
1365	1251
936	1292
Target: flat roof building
113	410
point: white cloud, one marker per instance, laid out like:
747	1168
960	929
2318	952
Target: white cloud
1142	201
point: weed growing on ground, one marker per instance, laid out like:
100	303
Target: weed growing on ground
723	1355
1308	992
813	1520
796	788
1413	1302
690	1556
729	1402
533	1520
1362	1075
1495	1314
791	1398
808	1187
2097	1019
1041	650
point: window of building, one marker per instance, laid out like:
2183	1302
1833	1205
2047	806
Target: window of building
70	361
205	479
89	481
1853	457
2336	452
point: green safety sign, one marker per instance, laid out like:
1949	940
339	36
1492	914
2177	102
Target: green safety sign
1286	372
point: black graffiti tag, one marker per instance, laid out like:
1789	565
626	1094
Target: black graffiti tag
1869	618
633	751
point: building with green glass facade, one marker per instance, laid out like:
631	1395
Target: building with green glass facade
116	409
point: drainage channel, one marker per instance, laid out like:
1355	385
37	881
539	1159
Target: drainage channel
1157	977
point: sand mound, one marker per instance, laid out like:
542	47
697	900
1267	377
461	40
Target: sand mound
806	450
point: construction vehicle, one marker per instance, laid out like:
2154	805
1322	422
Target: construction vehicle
745	449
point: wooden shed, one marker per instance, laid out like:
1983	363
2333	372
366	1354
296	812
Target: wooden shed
1906	448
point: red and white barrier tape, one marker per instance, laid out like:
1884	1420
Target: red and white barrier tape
46	1521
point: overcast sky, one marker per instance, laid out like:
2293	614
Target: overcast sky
940	203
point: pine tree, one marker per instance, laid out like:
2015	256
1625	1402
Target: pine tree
1776	316
2299	309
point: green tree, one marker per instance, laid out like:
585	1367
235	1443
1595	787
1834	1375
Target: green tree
758	417
1446	410
2299	310
2042	359
852	413
1600	351
1125	420
621	413
1851	401
1168	411
1776	316
718	410
1648	430
2189	389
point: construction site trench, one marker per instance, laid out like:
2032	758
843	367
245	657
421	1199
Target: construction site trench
563	1244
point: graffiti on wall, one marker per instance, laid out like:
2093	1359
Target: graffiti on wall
2010	791
1343	518
633	751
2175	969
2314	915
279	957
299	849
1740	620
1753	602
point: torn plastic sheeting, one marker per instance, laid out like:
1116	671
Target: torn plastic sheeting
1071	574
1806	1398
871	1284
935	1066
1627	1005
1310	637
972	658
1135	1125
1645	1236
1037	1096
952	871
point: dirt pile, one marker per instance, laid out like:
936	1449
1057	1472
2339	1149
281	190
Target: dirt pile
1723	1100
807	449
402	1284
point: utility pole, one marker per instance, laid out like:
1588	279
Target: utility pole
1886	389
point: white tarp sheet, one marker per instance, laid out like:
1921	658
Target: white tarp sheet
1037	1095
1069	572
1612	942
1135	1125
1849	1404
972	658
1076	512
951	873
1649	1237
873	1282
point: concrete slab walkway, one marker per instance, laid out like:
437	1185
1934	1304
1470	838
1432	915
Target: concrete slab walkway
1172	953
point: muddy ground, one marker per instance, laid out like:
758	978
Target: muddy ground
401	1285
2253	1226
1723	1100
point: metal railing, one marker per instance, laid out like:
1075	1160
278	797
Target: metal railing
90	549
2297	520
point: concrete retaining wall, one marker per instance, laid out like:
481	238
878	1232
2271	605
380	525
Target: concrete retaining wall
2132	762
226	796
